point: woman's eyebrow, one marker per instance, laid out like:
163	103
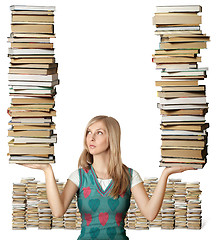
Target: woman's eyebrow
96	129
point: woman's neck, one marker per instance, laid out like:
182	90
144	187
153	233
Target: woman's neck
101	164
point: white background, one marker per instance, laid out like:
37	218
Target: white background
104	53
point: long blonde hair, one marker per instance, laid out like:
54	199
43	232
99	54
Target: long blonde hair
117	170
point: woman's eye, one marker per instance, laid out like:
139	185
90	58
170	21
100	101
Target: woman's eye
100	133
88	132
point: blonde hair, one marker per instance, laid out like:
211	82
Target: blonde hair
117	170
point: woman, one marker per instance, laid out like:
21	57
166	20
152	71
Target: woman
104	184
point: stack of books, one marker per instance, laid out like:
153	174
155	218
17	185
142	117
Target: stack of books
134	218
33	75
141	222
78	218
44	211
168	214
31	203
152	182
58	222
130	220
70	217
183	104
19	206
180	204
194	218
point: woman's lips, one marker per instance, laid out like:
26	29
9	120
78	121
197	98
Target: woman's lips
92	146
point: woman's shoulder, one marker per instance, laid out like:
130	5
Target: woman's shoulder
74	177
135	179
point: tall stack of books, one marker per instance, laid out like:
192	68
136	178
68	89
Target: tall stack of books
152	182
141	222
130	220
194	218
70	217
33	75
180	204
134	218
78	216
58	222
31	203
183	102
168	214
19	206
44	211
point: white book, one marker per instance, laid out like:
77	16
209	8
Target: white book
22	40
52	139
23	77
31	158
188	100
31	91
31	8
176	67
178	8
183	133
182	28
182	73
37	83
17	51
172	70
182	118
31	120
30	87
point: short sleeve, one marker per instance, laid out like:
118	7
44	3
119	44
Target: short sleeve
135	178
74	177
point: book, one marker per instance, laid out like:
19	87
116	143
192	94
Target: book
175	45
51	139
187	126
177	19
193	165
31	8
184	153
181	106
32	28
178	8
33	77
183	100
34	83
33	45
25	149
28	17
183	143
30	51
176	83
166	94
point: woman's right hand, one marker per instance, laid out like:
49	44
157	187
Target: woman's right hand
40	166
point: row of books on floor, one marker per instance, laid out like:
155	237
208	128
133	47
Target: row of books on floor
181	207
32	78
183	103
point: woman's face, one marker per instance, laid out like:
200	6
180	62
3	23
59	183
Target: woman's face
97	138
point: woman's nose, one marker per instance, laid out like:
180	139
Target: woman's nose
92	136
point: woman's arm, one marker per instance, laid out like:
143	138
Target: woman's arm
150	207
58	203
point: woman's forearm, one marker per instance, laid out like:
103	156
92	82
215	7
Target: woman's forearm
154	204
53	194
